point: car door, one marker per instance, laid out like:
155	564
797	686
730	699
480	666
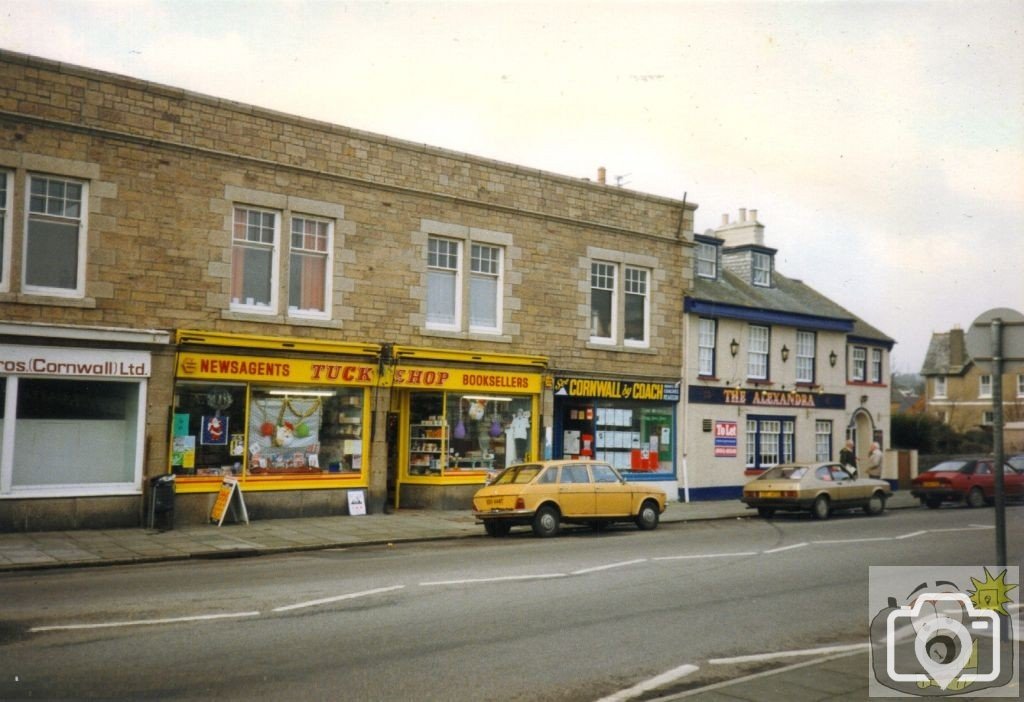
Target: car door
983	478
845	489
1013	481
612	498
575	491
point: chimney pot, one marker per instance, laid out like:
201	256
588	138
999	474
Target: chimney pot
601	175
743	214
753	215
725	219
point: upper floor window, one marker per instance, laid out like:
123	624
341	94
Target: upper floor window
602	302
310	266
985	386
636	306
444	303
757	352
485	288
860	363
55	242
707	260
706	347
805	350
761	274
254	256
1020	385
876	365
940	387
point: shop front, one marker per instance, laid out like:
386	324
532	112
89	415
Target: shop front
628	423
73	426
459	418
287	418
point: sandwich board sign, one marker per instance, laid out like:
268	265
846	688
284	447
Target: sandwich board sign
230	493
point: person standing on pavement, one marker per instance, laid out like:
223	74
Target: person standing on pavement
847	459
875	461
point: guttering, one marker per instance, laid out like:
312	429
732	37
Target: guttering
709	308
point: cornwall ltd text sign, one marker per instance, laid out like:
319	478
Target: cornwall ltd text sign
73	362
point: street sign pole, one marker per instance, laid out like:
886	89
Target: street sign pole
997	439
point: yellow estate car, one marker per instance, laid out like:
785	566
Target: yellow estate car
818	487
546	494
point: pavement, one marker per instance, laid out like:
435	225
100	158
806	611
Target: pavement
839	677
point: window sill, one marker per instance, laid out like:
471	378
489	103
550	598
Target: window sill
471	336
643	350
760	383
246	316
49	300
866	384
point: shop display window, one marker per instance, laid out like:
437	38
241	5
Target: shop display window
453	433
631	436
219	431
75	433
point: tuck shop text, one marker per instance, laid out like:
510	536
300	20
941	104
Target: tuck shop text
439	378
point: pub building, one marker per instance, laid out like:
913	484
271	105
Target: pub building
628	423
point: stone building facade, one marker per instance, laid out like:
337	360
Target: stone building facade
205	289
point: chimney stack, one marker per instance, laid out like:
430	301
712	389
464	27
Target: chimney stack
956	347
601	175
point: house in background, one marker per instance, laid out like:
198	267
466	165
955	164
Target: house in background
959	382
774	371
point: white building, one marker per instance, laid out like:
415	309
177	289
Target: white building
774	371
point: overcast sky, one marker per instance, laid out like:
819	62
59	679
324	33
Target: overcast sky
882	143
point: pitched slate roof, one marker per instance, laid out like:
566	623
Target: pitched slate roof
786	295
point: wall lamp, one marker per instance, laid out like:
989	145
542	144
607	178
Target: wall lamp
832	358
734	347
785	353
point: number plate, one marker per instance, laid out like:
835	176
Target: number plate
931	484
770	493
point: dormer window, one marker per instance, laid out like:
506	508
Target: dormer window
761	269
707	260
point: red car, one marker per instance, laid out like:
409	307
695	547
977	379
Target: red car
968	480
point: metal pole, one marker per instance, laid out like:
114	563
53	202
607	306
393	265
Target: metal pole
997	439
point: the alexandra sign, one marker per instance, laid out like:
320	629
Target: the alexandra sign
765	398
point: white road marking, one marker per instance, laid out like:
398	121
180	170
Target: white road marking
757	657
651	684
852	541
504	578
337	598
143	622
584	571
911	534
705	555
786	548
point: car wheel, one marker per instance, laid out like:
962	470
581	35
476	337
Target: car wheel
766	512
932	503
975	498
876	505
821	507
647	517
545	522
497	528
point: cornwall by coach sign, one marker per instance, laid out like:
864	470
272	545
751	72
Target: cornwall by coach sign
765	398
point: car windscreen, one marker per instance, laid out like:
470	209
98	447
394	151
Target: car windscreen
785	473
517	475
948	467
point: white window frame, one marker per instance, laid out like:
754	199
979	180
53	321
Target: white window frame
275	258
707	333
806	348
1020	385
761	269
636	282
759	347
876	365
985	386
82	226
301	251
988	418
707	260
6	192
438	263
822	440
859	364
940	387
477	272
601	272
